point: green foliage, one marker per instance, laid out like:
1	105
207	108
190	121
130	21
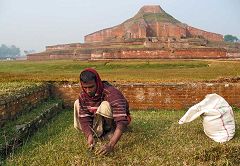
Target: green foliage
11	51
161	17
155	138
230	38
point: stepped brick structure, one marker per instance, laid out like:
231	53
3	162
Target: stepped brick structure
151	21
150	34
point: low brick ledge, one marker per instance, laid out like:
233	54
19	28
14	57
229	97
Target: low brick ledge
26	129
21	101
173	96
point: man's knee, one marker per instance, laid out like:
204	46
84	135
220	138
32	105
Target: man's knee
105	110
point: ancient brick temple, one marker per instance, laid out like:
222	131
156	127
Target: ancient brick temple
151	21
150	34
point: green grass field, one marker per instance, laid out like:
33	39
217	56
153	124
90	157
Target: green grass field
155	138
121	71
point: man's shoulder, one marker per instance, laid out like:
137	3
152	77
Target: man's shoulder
106	83
109	88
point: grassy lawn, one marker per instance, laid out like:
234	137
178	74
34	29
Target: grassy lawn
121	71
156	139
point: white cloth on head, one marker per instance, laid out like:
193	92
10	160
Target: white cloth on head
218	118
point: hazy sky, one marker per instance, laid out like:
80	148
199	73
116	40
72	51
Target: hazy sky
34	24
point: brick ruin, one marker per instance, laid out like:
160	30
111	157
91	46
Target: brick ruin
151	22
144	96
150	34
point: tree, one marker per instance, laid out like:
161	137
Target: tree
230	38
3	50
14	51
11	51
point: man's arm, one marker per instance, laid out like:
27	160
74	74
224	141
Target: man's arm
90	141
115	138
86	122
119	106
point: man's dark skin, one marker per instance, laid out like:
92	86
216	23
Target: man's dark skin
90	88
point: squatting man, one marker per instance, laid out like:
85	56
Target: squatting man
100	112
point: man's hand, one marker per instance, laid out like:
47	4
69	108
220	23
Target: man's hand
90	142
107	148
104	150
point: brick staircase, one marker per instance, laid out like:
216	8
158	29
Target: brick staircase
15	132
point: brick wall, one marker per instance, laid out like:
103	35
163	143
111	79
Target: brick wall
148	53
105	34
161	96
24	100
140	96
138	30
159	29
38	56
233	54
207	35
188	53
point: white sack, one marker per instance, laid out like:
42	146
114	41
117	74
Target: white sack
218	118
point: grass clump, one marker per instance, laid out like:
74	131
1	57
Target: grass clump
229	155
8	88
155	138
160	17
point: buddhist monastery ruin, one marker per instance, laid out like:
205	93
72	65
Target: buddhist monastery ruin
150	34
